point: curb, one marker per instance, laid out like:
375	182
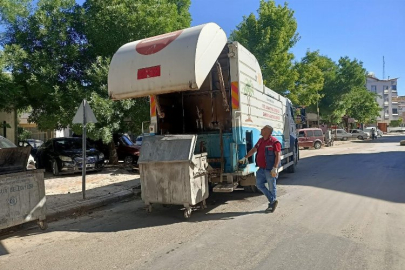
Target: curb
77	208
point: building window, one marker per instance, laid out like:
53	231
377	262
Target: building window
374	88
385	87
395	111
394	87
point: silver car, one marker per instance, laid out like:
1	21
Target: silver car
379	133
360	134
341	134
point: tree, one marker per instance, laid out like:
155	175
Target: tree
59	53
109	25
270	37
363	105
345	93
312	70
46	55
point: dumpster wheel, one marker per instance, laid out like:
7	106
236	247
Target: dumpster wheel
149	208
43	225
203	204
187	213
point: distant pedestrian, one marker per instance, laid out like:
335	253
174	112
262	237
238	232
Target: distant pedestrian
268	150
373	134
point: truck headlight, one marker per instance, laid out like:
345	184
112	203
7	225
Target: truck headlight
65	158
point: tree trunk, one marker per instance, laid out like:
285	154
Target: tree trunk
113	153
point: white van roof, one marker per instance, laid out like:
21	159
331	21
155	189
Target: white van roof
172	62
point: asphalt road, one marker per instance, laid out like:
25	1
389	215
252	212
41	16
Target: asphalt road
344	208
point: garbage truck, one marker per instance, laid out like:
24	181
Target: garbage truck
207	102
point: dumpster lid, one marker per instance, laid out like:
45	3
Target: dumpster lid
172	62
168	148
14	159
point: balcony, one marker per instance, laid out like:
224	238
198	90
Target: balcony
386	103
386	92
386	116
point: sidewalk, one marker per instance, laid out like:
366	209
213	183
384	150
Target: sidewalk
64	193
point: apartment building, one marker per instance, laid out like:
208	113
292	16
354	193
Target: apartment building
387	98
401	107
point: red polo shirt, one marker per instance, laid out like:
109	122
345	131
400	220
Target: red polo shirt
261	145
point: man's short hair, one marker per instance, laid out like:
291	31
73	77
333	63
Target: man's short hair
269	127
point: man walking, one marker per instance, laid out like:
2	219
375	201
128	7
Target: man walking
268	150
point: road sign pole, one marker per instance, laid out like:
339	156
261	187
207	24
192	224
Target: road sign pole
83	116
84	152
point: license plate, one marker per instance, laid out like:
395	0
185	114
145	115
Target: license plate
87	166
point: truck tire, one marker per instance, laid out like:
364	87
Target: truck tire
291	169
317	145
251	189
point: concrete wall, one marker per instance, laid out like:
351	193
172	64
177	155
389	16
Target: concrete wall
11	119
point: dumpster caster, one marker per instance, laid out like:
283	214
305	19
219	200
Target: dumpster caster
203	204
187	213
149	208
43	225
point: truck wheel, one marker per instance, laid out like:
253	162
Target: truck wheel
360	137
317	145
251	189
291	169
344	139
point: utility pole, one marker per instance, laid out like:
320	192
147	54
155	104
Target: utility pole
317	107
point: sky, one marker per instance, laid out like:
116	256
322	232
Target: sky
367	30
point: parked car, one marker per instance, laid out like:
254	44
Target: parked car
360	134
127	150
341	134
64	155
379	132
35	144
138	140
310	137
6	143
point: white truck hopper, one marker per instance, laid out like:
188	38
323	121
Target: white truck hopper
173	62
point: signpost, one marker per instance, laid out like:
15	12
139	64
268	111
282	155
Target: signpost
83	116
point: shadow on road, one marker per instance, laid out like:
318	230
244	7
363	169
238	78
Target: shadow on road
375	175
3	250
378	175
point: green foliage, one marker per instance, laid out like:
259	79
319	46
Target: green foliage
363	105
23	134
58	53
270	37
112	116
13	10
111	24
45	52
345	93
396	123
313	70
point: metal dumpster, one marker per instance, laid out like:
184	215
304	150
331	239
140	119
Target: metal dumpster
171	173
22	193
